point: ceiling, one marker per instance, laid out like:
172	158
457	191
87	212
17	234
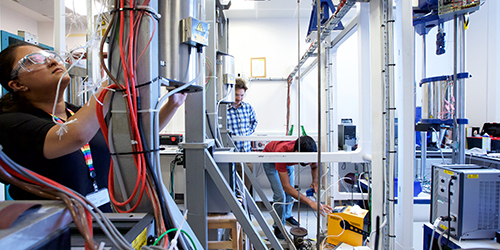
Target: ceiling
270	9
43	10
39	10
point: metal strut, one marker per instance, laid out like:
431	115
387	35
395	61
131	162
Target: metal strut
238	210
332	22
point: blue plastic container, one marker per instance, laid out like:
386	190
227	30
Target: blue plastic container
417	188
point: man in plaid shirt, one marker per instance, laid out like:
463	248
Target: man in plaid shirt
241	120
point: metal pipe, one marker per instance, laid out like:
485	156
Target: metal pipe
298	99
460	98
391	110
318	201
423	135
329	26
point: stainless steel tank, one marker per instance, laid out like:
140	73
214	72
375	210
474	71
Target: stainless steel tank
437	98
225	78
178	61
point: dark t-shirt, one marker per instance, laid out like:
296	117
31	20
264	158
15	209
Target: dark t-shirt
22	136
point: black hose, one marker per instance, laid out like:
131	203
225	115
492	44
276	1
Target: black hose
377	232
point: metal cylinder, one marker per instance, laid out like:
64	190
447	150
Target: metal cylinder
438	96
225	78
434	92
178	61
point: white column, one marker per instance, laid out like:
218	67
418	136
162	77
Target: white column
59	27
377	122
406	127
364	80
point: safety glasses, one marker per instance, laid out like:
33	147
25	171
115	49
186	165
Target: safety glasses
29	62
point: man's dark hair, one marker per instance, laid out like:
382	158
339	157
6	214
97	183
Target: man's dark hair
240	84
307	144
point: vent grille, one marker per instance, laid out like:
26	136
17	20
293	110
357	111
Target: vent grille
489	202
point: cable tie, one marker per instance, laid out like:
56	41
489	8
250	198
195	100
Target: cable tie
392	236
63	128
133	142
111	89
147	83
138	152
119	112
147	9
148	110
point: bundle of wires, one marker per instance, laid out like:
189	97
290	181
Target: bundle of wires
127	42
123	32
80	208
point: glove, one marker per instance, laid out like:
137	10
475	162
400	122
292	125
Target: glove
310	192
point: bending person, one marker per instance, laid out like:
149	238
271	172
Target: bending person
282	179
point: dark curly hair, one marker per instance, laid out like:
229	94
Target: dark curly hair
12	101
307	144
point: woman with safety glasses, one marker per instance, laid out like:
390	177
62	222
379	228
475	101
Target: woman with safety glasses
78	159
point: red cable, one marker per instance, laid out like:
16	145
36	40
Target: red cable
104	129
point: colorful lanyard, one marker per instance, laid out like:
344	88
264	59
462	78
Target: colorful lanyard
86	153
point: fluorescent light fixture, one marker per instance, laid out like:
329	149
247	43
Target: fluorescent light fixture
80	6
242	5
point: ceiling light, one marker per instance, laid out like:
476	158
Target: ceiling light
242	5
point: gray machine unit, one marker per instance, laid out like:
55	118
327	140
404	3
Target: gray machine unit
347	135
469	193
226	78
43	226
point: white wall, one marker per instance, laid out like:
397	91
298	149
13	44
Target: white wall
347	102
482	61
13	21
46	33
276	39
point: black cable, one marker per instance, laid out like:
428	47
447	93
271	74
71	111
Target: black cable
212	130
449	210
172	170
176	160
377	232
166	218
152	13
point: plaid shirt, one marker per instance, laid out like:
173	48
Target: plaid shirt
241	121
